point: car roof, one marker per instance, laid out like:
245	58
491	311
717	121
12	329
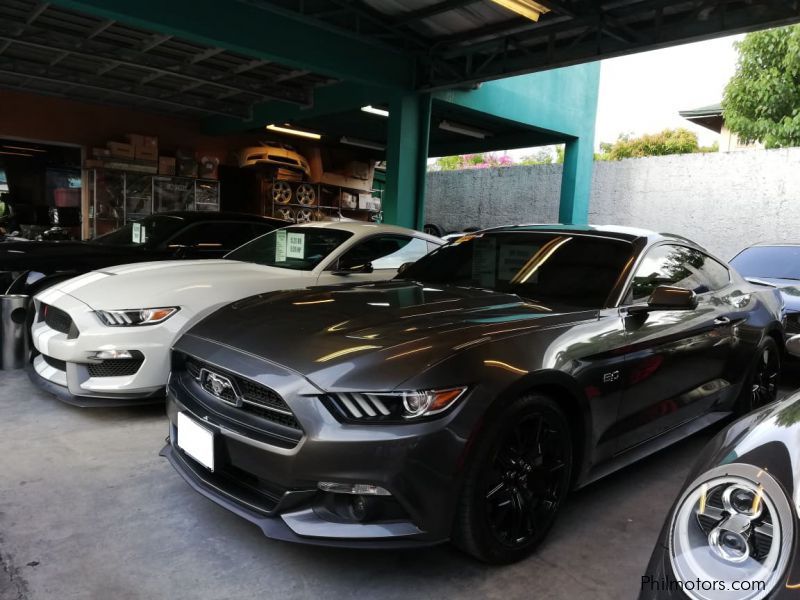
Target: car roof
620	232
195	216
773	244
363	226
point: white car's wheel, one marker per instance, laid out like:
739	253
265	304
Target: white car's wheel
306	194
285	213
304	215
281	192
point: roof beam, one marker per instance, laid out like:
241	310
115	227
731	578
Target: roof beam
427	12
262	33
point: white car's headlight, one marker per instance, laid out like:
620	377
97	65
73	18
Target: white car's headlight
732	525
139	316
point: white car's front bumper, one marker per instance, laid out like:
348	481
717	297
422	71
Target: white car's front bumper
72	334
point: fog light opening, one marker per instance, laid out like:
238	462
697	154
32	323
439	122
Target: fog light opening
111	354
358	489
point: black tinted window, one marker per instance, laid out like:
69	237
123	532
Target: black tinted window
772	262
677	266
211	235
386	251
575	270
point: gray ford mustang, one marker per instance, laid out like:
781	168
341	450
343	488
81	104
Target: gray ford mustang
463	400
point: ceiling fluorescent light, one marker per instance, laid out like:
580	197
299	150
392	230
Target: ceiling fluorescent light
362	143
375	111
463	129
16	154
299	132
527	8
23	149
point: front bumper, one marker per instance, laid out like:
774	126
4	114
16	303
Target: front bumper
65	369
272	482
35	369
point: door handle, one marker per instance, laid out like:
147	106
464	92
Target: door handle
720	321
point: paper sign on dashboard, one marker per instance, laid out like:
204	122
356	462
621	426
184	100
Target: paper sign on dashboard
295	245
280	246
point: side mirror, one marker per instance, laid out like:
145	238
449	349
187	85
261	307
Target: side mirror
667	297
793	345
349	267
403	268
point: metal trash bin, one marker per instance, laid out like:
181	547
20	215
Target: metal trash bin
13	338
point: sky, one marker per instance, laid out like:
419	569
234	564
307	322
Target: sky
642	93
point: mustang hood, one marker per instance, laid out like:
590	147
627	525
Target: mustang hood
173	282
343	336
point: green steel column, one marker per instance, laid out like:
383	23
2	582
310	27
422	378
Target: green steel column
406	159
576	181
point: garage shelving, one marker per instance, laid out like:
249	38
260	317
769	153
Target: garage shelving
302	202
118	197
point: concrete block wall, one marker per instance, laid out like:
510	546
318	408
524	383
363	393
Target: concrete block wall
724	201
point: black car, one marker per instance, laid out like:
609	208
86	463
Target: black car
732	533
777	265
465	399
29	267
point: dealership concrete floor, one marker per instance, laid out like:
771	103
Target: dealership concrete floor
89	510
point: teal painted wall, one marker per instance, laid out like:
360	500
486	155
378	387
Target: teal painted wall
561	101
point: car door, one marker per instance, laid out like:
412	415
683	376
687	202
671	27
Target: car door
676	361
384	252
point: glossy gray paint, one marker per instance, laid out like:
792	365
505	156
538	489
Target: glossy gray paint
629	382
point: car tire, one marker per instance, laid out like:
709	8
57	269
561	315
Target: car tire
432	229
761	385
514	484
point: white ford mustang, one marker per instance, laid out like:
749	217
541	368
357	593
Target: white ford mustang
104	337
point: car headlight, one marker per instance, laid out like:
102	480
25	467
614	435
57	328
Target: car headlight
139	316
406	406
733	524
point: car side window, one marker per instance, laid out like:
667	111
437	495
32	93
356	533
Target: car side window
677	266
387	251
220	235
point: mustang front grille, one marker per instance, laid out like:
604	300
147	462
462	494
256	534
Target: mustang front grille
57	319
117	367
256	399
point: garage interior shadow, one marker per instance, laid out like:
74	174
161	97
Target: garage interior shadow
88	509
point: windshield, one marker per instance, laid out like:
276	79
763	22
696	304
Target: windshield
152	231
564	268
298	248
771	262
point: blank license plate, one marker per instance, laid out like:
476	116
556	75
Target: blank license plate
196	441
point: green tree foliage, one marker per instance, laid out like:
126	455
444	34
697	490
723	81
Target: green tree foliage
669	141
762	99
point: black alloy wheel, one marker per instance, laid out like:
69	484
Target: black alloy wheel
519	479
761	387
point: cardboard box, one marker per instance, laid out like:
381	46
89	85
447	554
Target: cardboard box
166	165
145	153
142	141
369	202
352	183
101	152
120	150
